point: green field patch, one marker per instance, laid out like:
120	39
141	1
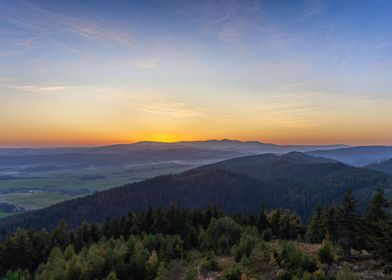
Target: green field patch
5	214
47	188
35	200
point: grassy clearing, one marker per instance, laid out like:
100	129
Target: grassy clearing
71	179
35	200
66	184
4	214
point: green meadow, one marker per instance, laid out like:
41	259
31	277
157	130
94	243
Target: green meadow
41	189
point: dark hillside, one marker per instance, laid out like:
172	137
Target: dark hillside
292	181
383	166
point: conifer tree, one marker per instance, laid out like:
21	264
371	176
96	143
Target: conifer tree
315	232
375	217
159	222
148	220
330	223
348	224
262	222
60	236
383	245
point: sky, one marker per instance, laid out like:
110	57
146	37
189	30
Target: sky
79	73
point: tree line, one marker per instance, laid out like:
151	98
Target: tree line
156	244
346	226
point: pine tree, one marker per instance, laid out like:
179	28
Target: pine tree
375	217
315	232
60	236
348	224
73	270
330	223
262	222
159	222
128	224
18	252
41	245
383	245
148	220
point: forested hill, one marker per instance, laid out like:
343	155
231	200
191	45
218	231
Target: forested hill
294	181
293	165
383	166
357	156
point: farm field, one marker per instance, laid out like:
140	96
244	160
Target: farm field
34	190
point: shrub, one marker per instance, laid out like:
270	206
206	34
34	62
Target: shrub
209	264
234	274
326	252
319	275
346	274
245	247
283	275
221	234
294	261
223	245
191	274
309	263
267	234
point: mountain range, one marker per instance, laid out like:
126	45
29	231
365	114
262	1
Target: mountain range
146	151
186	150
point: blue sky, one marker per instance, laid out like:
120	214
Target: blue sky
92	72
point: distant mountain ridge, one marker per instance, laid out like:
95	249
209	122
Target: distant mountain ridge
231	145
146	150
356	156
295	180
223	144
383	166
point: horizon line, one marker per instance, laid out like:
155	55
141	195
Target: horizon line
75	146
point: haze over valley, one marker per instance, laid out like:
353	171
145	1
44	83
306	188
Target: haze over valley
35	178
32	178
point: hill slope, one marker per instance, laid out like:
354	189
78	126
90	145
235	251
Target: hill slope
383	166
356	156
295	181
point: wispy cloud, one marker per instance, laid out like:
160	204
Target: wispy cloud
27	42
40	89
97	32
116	94
174	109
12	53
218	11
5	80
134	95
313	8
383	45
242	27
46	25
147	64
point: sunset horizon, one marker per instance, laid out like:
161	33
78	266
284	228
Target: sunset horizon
84	73
42	144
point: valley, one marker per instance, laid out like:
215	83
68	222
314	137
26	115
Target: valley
36	188
36	178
